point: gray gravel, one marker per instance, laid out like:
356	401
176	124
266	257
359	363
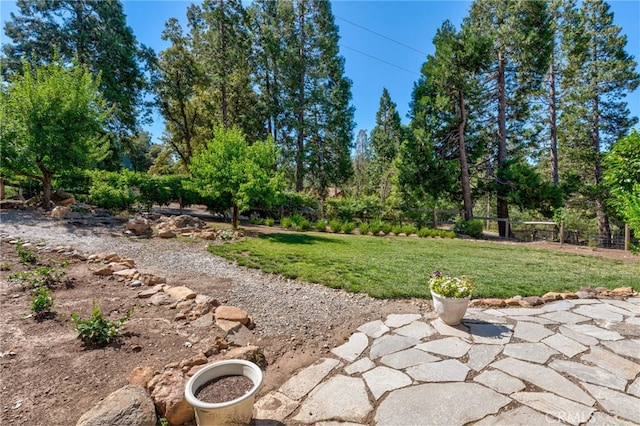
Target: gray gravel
282	308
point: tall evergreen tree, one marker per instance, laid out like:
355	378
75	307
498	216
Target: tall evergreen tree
598	77
362	165
521	38
386	138
95	32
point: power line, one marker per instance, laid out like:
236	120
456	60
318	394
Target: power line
378	59
382	35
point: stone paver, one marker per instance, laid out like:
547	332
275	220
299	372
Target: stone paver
449	370
439	404
374	329
383	379
616	403
449	346
407	358
561	408
535	352
349	401
565	345
500	382
544	378
416	329
352	349
582	356
531	332
303	382
589	373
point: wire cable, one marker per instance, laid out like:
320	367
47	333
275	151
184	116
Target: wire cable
378	59
382	35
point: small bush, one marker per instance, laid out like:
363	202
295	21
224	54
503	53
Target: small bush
96	330
348	227
409	229
269	221
425	232
375	226
473	228
42	302
302	225
43	276
364	228
321	225
27	257
396	229
5	267
335	225
286	222
386	227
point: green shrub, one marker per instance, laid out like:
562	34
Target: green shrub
27	257
42	302
375	226
321	225
302	225
335	225
43	276
396	229
409	229
364	228
286	222
96	330
473	228
269	221
425	232
386	227
348	227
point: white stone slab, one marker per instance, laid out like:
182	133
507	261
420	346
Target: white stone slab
398	320
525	312
537	320
544	378
491	334
437	404
589	374
634	300
500	382
634	388
374	329
624	347
360	366
578	337
616	403
564	317
482	355
390	343
449	370
494	312
348	402
633	320
613	363
601	419
626	305
585	301
531	332
598	312
448	330
535	352
521	416
563	344
558	305
552	405
480	316
596	332
449	346
302	383
407	358
384	379
417	329
620	309
274	406
352	349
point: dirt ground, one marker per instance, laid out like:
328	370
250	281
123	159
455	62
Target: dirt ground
48	378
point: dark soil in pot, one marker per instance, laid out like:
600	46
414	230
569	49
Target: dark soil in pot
223	389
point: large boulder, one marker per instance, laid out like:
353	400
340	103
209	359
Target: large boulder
128	406
139	225
167	392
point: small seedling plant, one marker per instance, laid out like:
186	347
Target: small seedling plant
42	302
43	276
27	257
97	330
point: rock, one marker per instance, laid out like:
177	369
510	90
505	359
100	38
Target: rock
197	359
103	271
141	376
11	204
204	299
533	300
512	302
129	263
231	313
167	392
135	283
181	293
147	293
166	233
205	321
249	353
568	296
551	296
60	212
209	235
139	225
150	279
495	303
128	406
240	336
66	202
228	326
623	291
126	273
160	299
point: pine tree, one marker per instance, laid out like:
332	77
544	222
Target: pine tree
598	77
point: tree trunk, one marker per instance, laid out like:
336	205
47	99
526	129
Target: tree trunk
502	205
604	230
553	122
234	217
464	167
47	177
301	99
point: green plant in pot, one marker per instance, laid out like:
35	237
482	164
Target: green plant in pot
450	296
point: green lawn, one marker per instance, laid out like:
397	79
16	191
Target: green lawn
400	267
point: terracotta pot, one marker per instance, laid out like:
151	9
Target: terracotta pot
450	310
235	412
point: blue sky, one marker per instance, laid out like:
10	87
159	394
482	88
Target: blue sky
411	23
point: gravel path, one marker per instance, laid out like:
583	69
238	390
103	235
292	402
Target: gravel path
286	309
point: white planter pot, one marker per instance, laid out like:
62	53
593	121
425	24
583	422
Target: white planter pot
235	412
450	310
